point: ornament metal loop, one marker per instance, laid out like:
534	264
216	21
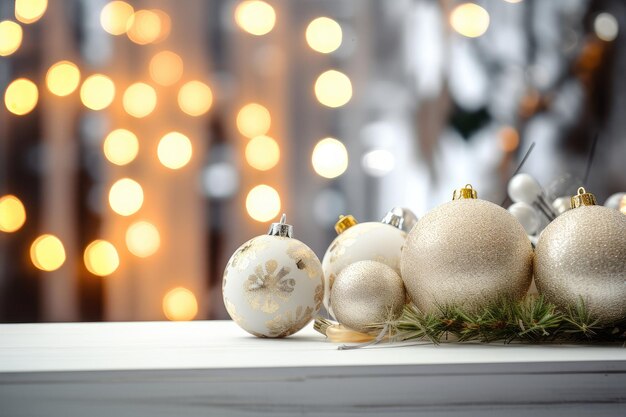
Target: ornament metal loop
583	198
467	192
282	228
400	218
344	223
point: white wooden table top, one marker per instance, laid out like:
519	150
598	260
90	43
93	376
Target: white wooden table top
202	368
221	345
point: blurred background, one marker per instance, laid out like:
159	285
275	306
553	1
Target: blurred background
142	142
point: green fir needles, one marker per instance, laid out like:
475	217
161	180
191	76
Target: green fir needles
531	320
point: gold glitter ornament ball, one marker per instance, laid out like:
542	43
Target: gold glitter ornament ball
582	254
374	241
467	252
367	293
273	285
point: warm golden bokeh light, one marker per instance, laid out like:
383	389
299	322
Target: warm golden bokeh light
63	78
255	17
47	253
324	35
469	19
166	68
30	11
142	239
195	98
10	37
262	153
333	88
179	304
144	27
263	203
139	100
121	146
21	96
126	197
174	150
97	92
101	258
115	16
166	25
508	139
253	120
12	214
330	158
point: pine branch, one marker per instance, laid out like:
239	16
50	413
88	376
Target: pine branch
531	320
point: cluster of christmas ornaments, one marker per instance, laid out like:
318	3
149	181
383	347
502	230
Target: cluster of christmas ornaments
467	252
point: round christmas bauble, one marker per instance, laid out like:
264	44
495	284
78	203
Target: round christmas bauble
273	285
468	253
374	241
367	293
582	256
617	201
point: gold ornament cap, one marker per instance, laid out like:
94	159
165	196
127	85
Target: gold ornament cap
281	229
344	223
467	192
583	198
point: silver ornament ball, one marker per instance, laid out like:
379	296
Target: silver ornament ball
467	252
366	293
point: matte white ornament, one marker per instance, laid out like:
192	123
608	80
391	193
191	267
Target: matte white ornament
273	285
370	241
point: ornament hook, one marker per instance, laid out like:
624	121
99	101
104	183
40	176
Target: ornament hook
467	192
344	223
281	228
582	198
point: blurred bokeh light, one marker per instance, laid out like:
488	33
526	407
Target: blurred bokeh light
30	11
121	146
324	35
253	120
21	96
63	78
333	88
12	213
47	253
142	239
329	158
180	304
263	203
174	150
126	197
10	37
255	17
97	92
262	153
195	98
101	258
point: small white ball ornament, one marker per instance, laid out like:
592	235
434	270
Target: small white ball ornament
273	285
617	201
468	253
582	255
366	293
526	215
561	205
375	241
524	188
